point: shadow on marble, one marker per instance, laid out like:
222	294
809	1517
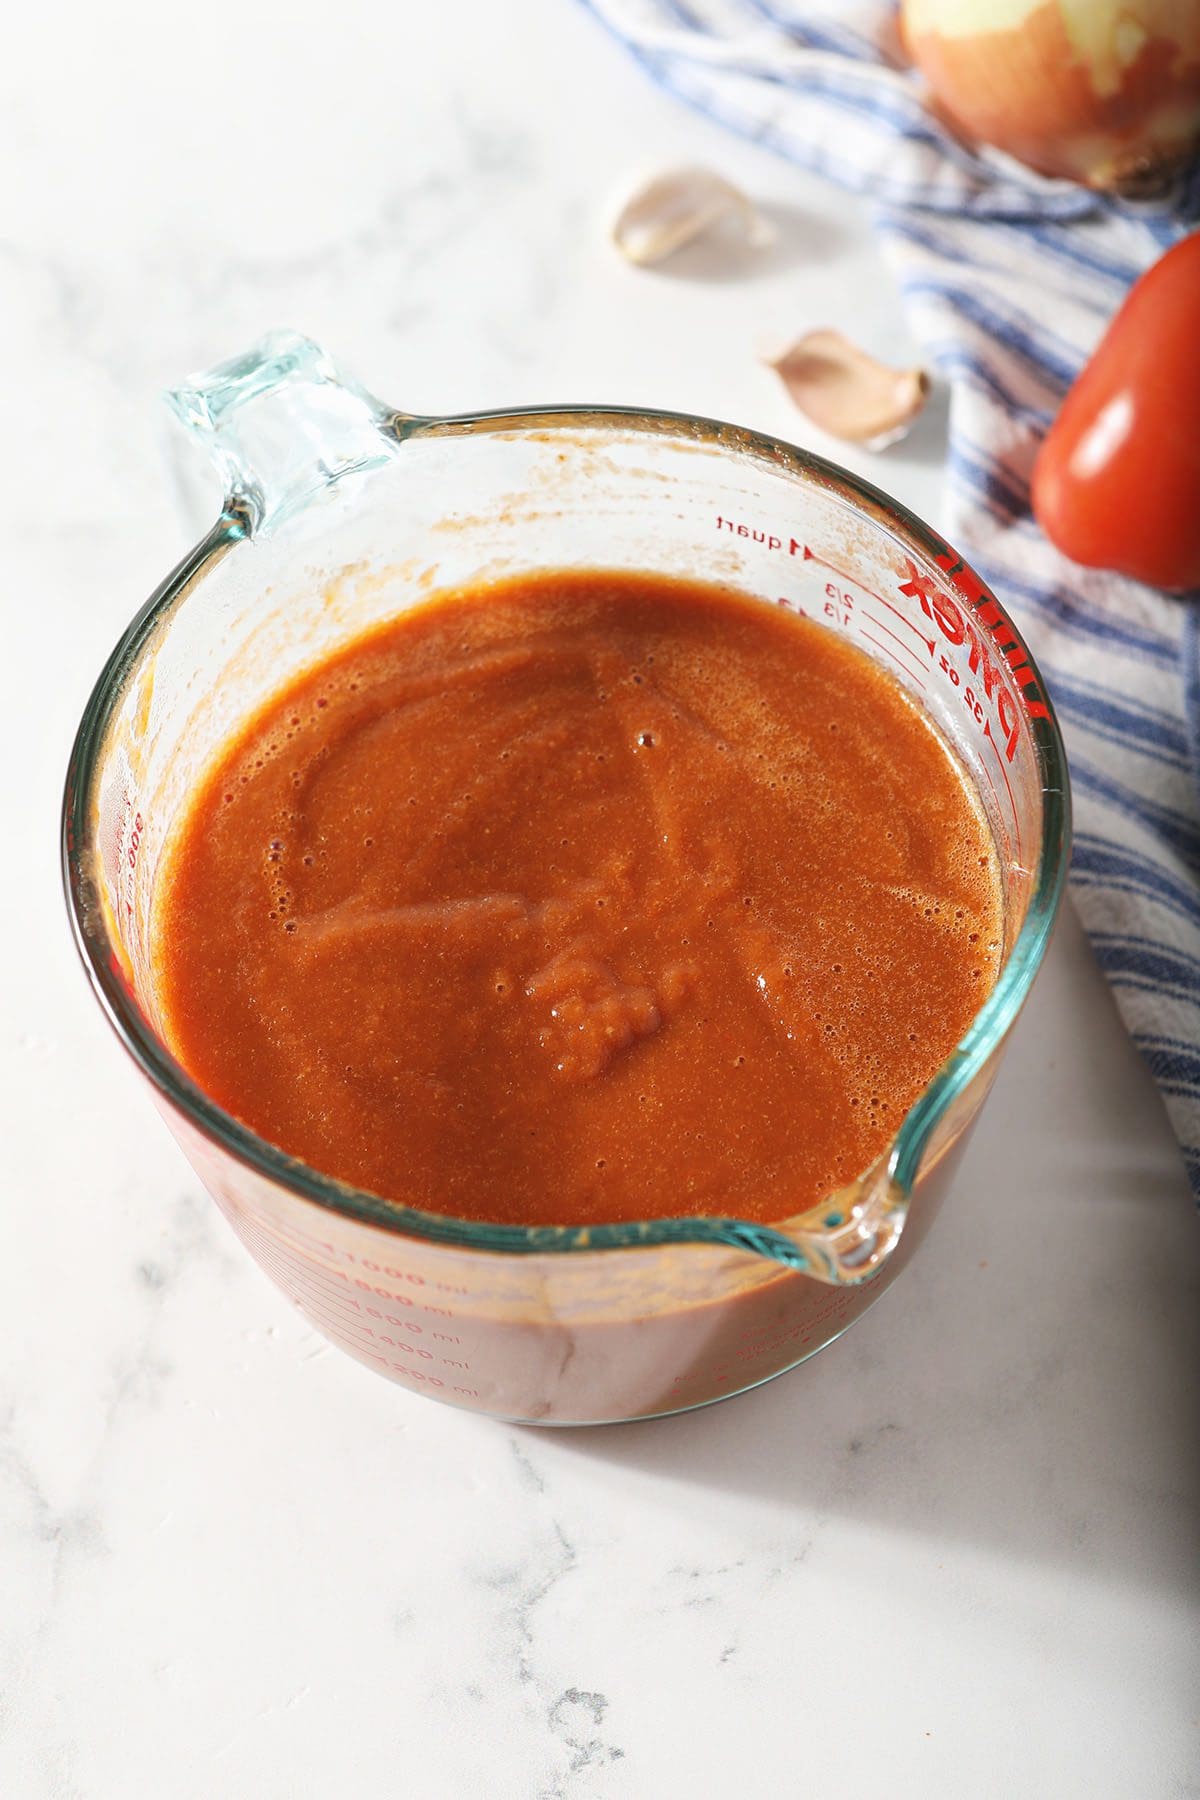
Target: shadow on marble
1026	1388
926	442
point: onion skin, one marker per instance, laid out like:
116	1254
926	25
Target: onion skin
1105	92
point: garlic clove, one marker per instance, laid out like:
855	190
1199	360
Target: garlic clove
848	393
669	210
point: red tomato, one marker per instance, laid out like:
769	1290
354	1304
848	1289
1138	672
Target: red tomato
1117	482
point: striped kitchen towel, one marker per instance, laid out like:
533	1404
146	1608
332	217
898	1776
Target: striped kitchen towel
1008	280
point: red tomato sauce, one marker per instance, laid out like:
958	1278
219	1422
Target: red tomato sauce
582	897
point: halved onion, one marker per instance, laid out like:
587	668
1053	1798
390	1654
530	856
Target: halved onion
1106	92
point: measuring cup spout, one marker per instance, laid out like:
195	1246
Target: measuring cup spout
282	423
846	1239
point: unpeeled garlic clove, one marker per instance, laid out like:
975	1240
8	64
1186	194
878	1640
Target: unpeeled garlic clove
669	210
847	393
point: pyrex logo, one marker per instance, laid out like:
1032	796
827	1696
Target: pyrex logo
958	630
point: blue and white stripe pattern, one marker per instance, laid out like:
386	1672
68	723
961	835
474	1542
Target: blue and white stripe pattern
1008	281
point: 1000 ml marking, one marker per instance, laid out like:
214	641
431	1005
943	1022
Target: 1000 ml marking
133	832
342	1315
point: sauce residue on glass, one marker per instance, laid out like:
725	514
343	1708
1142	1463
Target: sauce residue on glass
579	898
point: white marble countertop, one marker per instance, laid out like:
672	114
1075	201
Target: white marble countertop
955	1555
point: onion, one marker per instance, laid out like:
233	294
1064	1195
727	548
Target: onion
1106	92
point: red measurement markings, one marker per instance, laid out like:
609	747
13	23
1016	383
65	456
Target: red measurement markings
264	1244
984	635
326	1319
992	789
404	1347
308	1299
848	612
347	1326
811	556
282	1269
1016	823
958	628
318	1312
259	1239
320	1248
901	646
338	1282
354	1338
297	1289
334	1307
136	826
303	1286
991	616
888	652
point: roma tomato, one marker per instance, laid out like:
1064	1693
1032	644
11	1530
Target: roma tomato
1117	482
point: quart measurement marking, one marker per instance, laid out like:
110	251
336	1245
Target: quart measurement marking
898	641
811	556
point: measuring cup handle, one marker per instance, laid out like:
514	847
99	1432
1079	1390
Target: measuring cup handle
282	423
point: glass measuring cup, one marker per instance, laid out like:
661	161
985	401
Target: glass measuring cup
341	511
